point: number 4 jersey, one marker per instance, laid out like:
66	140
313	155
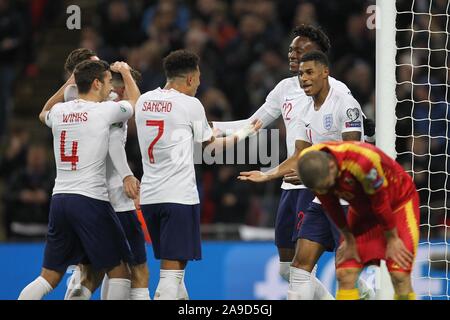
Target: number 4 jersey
168	123
80	141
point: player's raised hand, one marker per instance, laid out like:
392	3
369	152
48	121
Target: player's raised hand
253	176
257	124
397	252
120	67
347	251
292	177
131	187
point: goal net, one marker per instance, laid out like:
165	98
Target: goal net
413	122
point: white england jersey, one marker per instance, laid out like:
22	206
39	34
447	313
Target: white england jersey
168	123
119	200
114	184
289	100
339	113
80	141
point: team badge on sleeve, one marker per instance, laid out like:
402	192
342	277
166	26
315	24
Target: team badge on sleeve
328	121
123	109
353	114
374	180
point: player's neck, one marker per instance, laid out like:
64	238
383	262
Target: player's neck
90	96
320	98
171	84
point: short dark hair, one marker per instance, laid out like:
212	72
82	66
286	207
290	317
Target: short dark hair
313	168
180	62
314	34
77	56
317	56
117	77
87	71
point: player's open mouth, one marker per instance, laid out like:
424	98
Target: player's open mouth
307	87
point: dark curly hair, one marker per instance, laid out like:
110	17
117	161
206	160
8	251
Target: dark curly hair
314	34
77	56
180	62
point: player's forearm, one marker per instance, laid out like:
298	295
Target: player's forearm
131	87
228	127
54	99
118	157
284	168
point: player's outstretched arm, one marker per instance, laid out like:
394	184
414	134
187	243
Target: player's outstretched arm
56	98
130	84
227	127
217	145
284	168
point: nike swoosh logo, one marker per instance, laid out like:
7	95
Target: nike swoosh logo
307	125
289	99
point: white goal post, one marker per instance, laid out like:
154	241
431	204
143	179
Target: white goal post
386	101
413	125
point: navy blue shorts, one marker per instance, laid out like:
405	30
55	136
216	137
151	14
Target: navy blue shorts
318	227
134	234
293	204
84	229
174	229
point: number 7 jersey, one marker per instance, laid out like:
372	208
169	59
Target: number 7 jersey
168	123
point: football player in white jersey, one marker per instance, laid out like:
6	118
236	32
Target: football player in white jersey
117	170
326	114
283	101
125	209
81	220
169	121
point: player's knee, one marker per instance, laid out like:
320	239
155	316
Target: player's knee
400	278
121	271
284	270
346	278
139	276
303	263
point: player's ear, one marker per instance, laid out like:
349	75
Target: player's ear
326	71
189	80
96	84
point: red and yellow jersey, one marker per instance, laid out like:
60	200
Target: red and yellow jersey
374	184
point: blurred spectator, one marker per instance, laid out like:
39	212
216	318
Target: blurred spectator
229	196
15	155
12	36
165	23
119	26
217	106
28	197
305	13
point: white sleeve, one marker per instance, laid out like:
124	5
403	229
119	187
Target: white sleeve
49	115
118	111
350	115
71	92
267	113
229	127
116	150
301	131
200	128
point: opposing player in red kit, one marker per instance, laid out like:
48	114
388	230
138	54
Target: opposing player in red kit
383	219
